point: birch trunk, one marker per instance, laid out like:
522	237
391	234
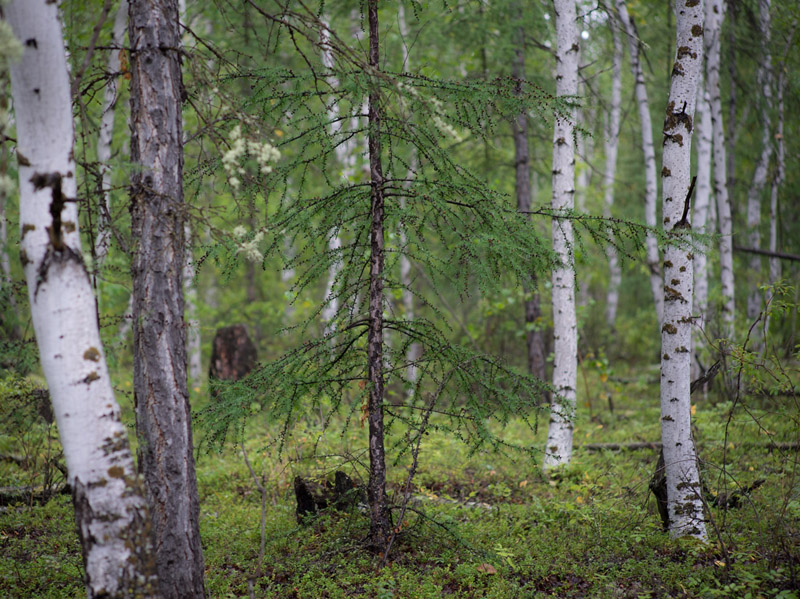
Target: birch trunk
380	518
414	351
558	450
684	503
106	135
651	177
612	144
700	215
157	215
193	339
715	11
110	510
764	83
537	364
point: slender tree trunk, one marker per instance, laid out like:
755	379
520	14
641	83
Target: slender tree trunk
193	339
380	517
5	262
110	510
700	215
558	450
651	176
157	212
780	172
684	503
106	135
612	144
715	11
534	338
764	83
414	351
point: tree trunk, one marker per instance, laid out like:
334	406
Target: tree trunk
558	450
110	510
106	135
764	83
715	11
159	378
701	212
193	339
612	144
380	517
651	177
534	338
414	351
685	505
6	186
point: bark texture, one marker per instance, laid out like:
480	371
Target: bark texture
233	354
700	214
684	502
534	339
157	213
612	145
380	517
558	449
110	509
715	12
651	177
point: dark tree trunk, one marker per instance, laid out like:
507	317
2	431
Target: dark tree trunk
534	338
157	212
380	518
233	354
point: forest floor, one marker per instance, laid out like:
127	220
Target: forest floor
479	523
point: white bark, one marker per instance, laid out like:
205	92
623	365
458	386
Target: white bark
764	82
106	135
346	159
414	350
651	177
558	449
715	11
612	144
684	502
702	202
110	509
193	339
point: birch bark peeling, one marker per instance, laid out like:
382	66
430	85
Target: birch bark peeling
558	449
684	503
157	216
715	12
651	176
110	510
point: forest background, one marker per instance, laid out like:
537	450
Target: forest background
263	250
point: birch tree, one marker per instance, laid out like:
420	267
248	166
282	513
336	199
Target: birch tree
558	449
764	83
611	147
702	204
157	211
684	503
110	510
651	177
715	11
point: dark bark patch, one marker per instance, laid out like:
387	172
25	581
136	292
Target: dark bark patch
665	172
91	377
116	472
31	42
669	328
92	354
26	228
697	30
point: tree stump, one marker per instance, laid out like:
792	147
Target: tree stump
233	354
313	497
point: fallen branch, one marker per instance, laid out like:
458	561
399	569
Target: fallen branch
760	252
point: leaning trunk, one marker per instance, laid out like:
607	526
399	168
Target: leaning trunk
715	10
684	503
110	510
558	450
157	213
651	177
380	518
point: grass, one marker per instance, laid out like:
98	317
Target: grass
482	524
